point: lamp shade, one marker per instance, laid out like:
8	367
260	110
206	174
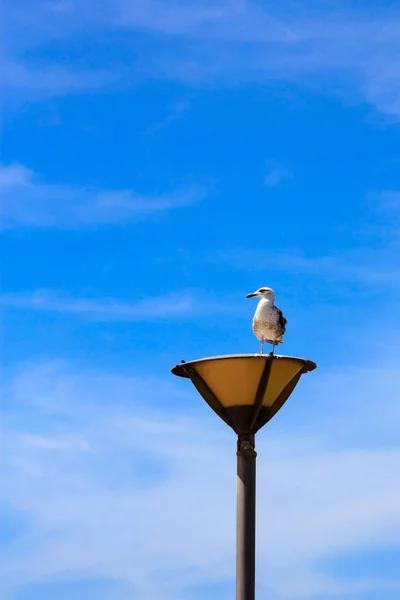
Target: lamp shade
245	390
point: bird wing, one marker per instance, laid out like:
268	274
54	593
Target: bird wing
281	318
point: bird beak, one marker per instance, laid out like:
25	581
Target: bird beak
251	295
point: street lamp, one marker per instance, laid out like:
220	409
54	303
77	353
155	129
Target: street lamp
246	391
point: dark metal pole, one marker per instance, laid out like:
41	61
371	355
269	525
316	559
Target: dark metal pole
246	518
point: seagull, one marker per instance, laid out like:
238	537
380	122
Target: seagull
269	324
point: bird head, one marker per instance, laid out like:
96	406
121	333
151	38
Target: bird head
263	292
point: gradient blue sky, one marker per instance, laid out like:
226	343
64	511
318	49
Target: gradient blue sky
160	160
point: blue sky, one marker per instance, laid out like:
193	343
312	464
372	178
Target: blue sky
160	160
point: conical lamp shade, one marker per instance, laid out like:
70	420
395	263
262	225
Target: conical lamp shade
245	390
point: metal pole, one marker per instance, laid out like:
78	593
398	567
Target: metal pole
246	518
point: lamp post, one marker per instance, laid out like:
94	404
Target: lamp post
246	391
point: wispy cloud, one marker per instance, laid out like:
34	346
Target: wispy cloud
285	42
60	7
174	112
390	199
95	486
276	173
26	201
363	267
178	305
51	79
232	42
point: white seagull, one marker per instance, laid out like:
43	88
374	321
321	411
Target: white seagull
269	324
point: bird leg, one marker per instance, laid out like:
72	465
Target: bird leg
273	348
262	346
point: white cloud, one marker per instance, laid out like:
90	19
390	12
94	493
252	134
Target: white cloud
245	41
174	112
145	494
341	50
28	202
51	79
390	199
60	7
364	267
276	173
177	305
